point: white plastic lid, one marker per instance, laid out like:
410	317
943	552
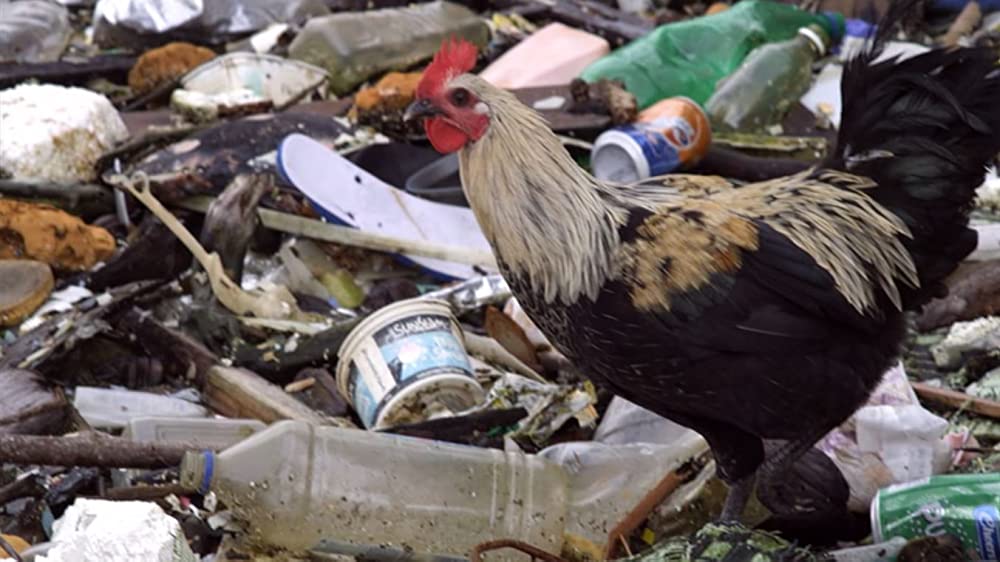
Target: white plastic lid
815	38
618	157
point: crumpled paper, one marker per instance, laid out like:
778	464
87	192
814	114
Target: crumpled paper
890	440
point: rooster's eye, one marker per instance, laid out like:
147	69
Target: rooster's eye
460	97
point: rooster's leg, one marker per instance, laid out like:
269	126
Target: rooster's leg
786	455
738	454
780	462
736	500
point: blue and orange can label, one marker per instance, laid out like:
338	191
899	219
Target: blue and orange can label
682	125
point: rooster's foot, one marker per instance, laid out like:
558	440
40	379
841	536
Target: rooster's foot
736	500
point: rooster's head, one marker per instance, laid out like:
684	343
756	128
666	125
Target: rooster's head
453	113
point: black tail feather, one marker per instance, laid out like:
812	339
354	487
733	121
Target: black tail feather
925	129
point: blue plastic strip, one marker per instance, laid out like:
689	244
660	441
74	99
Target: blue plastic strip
206	475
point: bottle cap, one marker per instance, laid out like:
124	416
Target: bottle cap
835	25
859	28
817	36
197	470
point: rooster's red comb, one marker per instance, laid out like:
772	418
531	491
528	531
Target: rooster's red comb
456	56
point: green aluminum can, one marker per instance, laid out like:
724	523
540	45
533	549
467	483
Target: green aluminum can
966	506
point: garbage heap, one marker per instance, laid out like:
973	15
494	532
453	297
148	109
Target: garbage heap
246	312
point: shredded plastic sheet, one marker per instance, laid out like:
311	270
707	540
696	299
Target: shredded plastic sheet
721	541
215	16
272	302
549	406
33	31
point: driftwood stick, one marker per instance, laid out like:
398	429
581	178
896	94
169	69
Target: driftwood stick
955	399
91	449
112	67
327	232
160	91
149	140
68	196
670	482
533	551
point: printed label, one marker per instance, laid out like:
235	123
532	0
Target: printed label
405	351
683	124
677	131
965	506
987	531
662	156
369	381
411	326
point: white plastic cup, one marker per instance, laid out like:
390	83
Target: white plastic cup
407	363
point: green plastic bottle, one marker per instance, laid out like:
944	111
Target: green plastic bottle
688	58
770	79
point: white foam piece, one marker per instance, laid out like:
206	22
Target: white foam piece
56	133
113	531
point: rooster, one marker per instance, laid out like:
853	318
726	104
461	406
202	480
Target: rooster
763	313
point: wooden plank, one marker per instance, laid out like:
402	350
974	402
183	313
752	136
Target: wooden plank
239	393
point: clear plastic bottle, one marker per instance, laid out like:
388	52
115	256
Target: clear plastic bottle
354	46
773	76
297	484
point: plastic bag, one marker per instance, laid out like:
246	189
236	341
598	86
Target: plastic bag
126	21
33	31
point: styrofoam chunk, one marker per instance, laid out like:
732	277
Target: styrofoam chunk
56	133
112	531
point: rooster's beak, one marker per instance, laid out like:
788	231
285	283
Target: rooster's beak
421	108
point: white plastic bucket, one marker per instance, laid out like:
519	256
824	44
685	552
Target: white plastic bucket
407	363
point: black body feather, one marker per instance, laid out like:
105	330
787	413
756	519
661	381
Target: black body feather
924	129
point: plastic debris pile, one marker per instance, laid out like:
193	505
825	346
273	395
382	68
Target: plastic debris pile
246	311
